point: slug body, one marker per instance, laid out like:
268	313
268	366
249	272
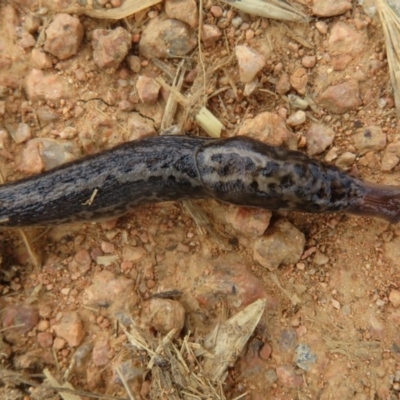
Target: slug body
238	170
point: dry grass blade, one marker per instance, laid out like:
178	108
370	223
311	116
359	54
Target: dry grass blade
204	117
211	124
160	348
293	297
125	383
137	339
128	7
11	378
107	260
172	104
228	339
53	381
391	28
175	369
269	9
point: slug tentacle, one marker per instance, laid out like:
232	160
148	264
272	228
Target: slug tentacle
380	201
237	170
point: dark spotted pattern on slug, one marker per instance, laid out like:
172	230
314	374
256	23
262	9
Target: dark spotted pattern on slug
237	170
269	177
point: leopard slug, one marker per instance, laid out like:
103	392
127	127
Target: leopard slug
237	170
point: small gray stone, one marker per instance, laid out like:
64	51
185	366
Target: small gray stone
319	138
110	47
130	371
346	160
370	138
22	134
134	63
63	36
236	22
297	118
304	357
328	8
269	128
116	291
320	258
55	152
70	328
394	297
100	353
391	157
210	35
49	87
250	63
248	221
344	38
284	245
283	85
147	89
183	10
341	98
287	340
332	154
165	38
163	315
140	127
17	320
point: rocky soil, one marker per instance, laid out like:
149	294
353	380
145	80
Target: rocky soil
72	85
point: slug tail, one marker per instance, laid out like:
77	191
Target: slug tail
380	201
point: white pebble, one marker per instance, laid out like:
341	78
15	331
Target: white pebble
298	118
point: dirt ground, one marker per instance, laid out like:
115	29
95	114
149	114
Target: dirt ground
339	302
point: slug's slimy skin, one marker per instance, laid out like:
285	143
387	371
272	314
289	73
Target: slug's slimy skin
238	170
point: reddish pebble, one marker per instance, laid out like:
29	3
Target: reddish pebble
43	325
40	59
96	252
63	36
110	47
107	247
45	311
341	98
109	224
45	340
210	35
308	61
163	315
145	389
150	284
100	352
301	331
21	318
70	328
288	377
265	352
299	80
394	298
148	89
216	11
126	266
59	343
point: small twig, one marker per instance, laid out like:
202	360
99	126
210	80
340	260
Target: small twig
12	327
90	201
125	383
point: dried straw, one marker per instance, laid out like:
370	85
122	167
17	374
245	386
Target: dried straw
391	28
